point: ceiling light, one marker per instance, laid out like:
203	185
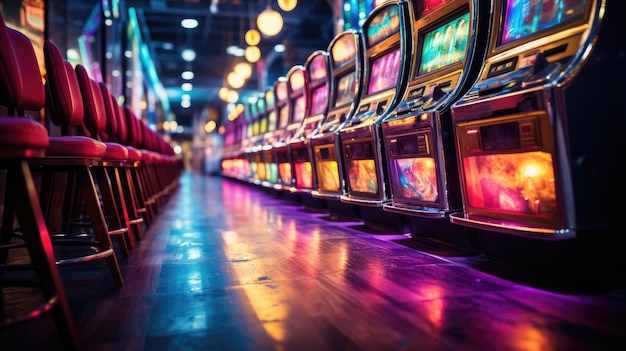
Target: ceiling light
189	23
232	96
279	48
223	93
185	97
188	55
287	5
185	103
269	22
234	80
253	54
235	50
186	86
188	75
244	69
252	37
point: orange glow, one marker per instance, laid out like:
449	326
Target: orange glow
304	175
284	169
521	183
362	175
415	178
328	175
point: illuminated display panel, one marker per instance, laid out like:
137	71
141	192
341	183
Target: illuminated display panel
272	172
319	99
271	117
283	117
416	178
520	183
383	25
284	170
304	175
445	45
346	89
384	72
296	80
362	176
263	126
317	68
281	90
430	5
328	175
256	127
299	109
260	104
523	18
269	99
343	50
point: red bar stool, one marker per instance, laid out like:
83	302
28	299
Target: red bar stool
21	139
67	169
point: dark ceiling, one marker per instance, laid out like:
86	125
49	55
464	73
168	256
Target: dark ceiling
307	28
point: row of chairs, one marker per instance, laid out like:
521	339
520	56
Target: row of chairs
105	176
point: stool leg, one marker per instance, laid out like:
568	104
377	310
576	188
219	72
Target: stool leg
39	245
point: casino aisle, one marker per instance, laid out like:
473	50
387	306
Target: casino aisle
231	266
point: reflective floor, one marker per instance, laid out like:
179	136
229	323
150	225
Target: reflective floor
231	266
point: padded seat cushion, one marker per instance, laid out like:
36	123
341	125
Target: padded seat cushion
22	136
115	152
134	154
75	146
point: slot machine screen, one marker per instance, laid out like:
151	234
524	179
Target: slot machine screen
346	89
383	25
416	178
523	18
299	109
304	175
271	125
317	68
328	173
343	50
384	72
444	45
283	113
319	99
362	176
284	171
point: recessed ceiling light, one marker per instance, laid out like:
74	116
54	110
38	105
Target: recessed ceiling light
189	23
188	55
186	86
279	48
188	75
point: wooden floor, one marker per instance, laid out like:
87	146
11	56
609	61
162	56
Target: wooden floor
231	266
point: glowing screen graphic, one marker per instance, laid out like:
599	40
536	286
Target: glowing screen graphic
284	170
299	109
445	45
346	89
362	176
525	17
416	178
304	175
328	175
384	74
317	68
343	49
272	172
520	183
284	117
319	100
383	25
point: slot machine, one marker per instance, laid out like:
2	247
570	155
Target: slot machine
345	62
317	75
282	107
387	52
231	166
257	168
247	129
271	168
449	41
297	98
537	136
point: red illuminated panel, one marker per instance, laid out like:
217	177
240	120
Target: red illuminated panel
284	169
304	175
521	183
328	174
362	176
415	178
